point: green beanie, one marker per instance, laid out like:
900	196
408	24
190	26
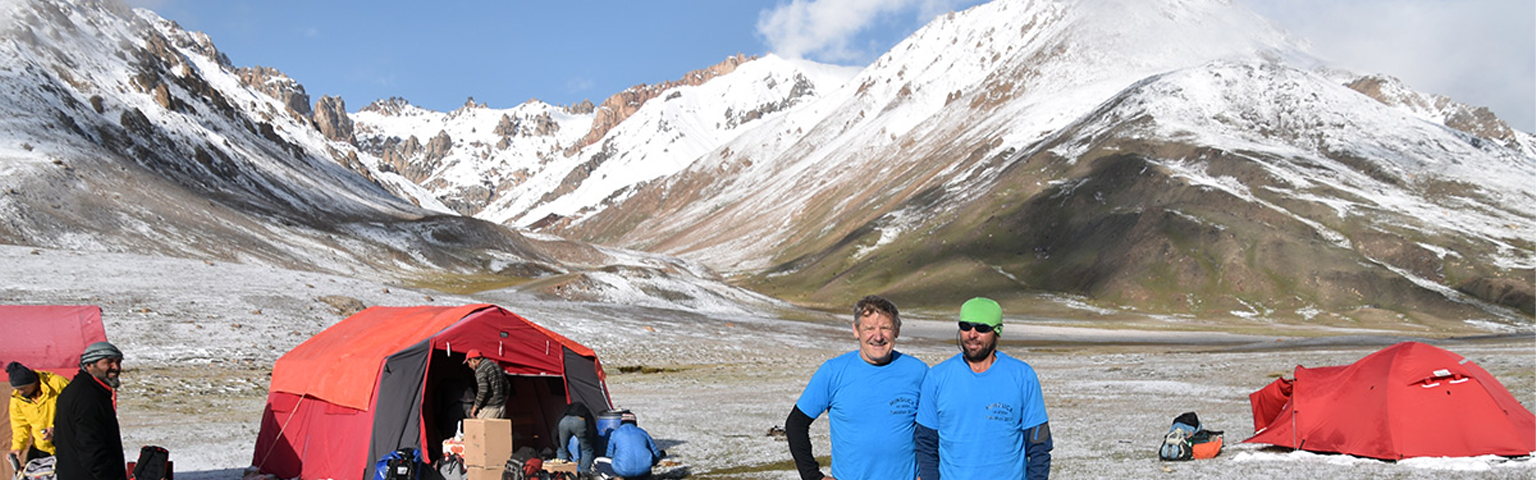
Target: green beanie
982	310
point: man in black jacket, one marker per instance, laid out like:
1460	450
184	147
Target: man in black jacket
86	432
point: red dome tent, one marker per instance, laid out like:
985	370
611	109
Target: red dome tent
1407	400
386	377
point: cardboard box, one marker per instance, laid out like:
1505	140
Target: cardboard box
487	442
553	466
483	473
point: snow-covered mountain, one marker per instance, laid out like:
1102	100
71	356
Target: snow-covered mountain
1174	156
536	163
1168	157
121	132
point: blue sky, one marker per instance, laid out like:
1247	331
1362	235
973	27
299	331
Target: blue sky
504	52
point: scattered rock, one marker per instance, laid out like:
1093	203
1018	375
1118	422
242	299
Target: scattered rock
343	305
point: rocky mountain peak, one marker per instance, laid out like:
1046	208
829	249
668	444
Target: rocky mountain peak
584	107
618	107
1477	121
277	85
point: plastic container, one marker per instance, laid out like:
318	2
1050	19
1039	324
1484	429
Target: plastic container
609	420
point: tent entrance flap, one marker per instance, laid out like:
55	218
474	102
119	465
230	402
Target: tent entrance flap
534	407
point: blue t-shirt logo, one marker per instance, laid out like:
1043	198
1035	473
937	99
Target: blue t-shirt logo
1001	412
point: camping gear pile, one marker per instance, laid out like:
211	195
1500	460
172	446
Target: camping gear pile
35	469
1406	400
1188	440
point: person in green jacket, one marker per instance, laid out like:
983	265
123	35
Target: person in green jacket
33	402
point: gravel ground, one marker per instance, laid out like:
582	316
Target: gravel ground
201	338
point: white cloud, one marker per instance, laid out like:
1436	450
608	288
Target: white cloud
828	30
578	84
1478	52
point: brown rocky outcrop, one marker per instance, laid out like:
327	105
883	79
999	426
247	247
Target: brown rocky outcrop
400	156
1509	292
275	84
621	105
438	146
331	119
582	108
505	127
1477	121
388	107
530	126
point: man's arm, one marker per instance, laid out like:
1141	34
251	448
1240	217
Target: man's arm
926	441
21	431
1037	448
656	452
797	430
482	387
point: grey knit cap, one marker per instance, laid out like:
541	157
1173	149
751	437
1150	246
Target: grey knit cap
99	350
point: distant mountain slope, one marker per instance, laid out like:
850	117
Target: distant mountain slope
1169	157
127	133
121	132
539	164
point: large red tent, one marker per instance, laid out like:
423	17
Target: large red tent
44	337
49	337
1407	400
376	382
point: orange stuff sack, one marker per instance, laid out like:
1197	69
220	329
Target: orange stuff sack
1207	447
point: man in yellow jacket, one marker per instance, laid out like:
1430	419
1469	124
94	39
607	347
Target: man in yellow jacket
32	406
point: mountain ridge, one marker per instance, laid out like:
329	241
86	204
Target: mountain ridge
1176	160
773	255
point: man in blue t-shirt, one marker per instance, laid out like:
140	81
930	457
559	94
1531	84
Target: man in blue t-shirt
870	395
982	415
631	450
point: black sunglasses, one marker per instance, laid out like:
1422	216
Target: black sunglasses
980	327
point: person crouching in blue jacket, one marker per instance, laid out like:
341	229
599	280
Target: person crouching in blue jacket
632	451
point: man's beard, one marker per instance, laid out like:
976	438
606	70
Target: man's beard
980	354
110	380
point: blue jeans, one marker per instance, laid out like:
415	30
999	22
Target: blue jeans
572	426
